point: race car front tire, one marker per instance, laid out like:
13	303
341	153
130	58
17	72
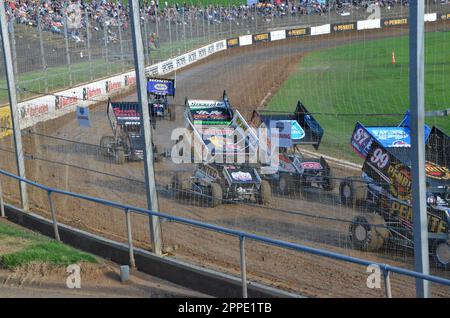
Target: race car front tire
180	185
265	193
106	142
283	185
119	155
350	192
216	195
368	232
329	182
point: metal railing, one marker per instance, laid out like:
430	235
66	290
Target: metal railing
243	236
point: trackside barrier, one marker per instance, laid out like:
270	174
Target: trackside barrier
243	236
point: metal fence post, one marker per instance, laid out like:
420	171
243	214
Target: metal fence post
150	186
41	43
88	43
105	39
14	110
2	204
14	56
66	39
130	238
53	211
170	34
146	43
122	57
387	283
184	29
243	266
417	123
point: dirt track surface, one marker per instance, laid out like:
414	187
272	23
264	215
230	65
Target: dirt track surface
248	75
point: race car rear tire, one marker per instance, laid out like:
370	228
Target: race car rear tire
329	182
368	232
265	193
119	155
350	192
216	195
105	144
180	185
284	184
441	253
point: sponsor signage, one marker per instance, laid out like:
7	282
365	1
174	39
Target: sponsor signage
130	80
277	35
293	33
368	24
394	22
340	27
65	101
91	92
232	42
112	86
83	116
245	40
445	16
430	17
261	37
5	122
321	29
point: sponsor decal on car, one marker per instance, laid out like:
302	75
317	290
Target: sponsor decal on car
312	165
241	176
400	181
437	172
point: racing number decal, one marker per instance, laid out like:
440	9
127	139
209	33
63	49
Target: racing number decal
361	136
380	158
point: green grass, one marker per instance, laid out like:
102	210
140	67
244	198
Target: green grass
38	248
361	79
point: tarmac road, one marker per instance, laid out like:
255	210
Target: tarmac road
248	74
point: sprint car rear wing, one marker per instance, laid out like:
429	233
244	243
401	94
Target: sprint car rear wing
397	140
161	86
123	113
217	128
297	128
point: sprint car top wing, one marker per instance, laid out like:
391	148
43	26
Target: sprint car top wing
299	127
161	86
123	113
396	139
209	112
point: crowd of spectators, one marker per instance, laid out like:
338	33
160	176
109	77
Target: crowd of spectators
114	13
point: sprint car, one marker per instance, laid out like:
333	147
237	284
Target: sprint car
295	172
216	131
158	90
127	142
385	189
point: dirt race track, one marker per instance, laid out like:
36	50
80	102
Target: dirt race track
248	74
